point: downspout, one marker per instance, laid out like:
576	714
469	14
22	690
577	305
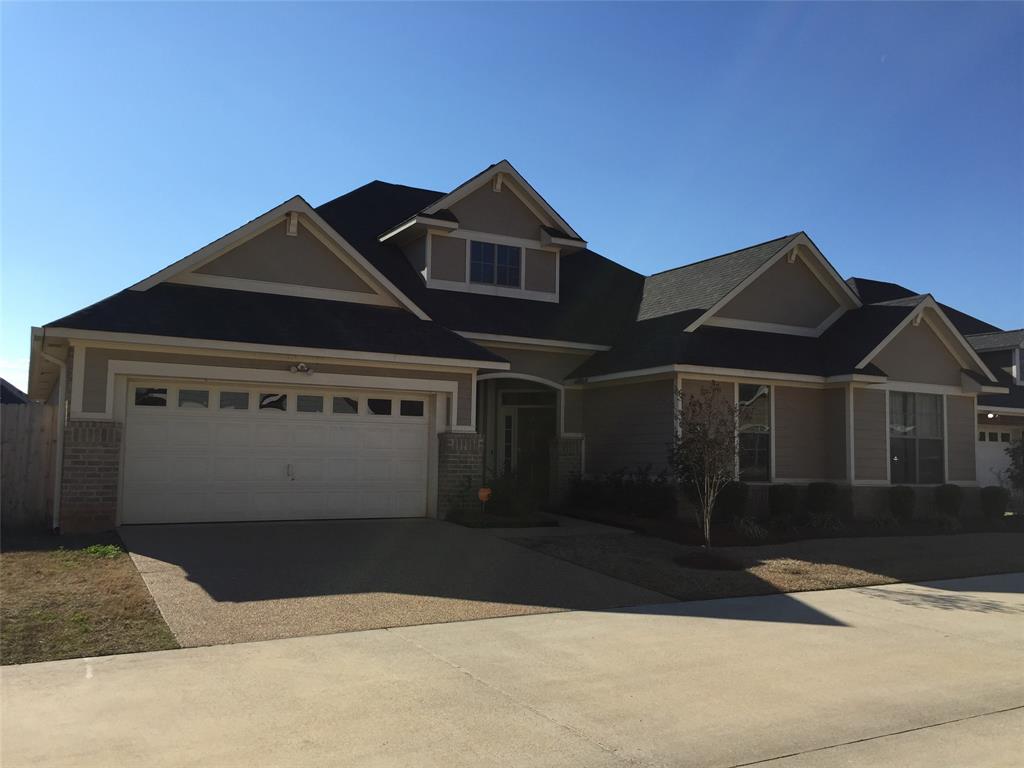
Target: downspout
61	418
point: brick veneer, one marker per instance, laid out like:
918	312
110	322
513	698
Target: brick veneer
92	458
460	472
566	455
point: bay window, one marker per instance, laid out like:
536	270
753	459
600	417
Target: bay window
916	450
755	434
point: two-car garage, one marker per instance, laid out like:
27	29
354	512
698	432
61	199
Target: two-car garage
208	452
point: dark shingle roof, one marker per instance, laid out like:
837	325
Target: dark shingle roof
194	312
997	339
597	300
701	284
11	395
879	291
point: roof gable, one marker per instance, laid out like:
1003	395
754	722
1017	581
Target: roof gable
294	214
497	176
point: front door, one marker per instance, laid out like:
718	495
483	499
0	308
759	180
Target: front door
535	428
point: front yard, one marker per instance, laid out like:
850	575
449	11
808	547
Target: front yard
797	566
67	598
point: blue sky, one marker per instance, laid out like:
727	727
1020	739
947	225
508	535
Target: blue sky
134	134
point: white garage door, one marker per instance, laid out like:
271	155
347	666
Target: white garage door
202	453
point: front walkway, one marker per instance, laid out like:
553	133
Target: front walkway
896	675
237	582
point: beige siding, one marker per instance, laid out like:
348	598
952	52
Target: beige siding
799	433
502	213
275	257
94	390
869	428
918	355
834	403
448	258
628	426
960	434
553	366
788	294
540	271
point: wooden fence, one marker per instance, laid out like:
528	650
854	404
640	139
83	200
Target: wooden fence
27	453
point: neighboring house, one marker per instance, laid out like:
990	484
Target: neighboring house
382	354
11	395
1000	417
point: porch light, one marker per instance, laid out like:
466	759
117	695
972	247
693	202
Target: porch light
991	416
301	368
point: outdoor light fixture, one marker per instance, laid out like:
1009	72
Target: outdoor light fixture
301	368
991	416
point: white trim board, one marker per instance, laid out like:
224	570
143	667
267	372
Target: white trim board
527	342
340	355
282	289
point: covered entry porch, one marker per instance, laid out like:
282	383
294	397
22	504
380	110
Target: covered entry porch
521	419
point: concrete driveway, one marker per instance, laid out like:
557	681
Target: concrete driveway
906	675
240	582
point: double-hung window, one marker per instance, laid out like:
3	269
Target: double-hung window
495	264
755	431
916	452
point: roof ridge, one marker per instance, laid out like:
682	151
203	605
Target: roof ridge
379	181
994	333
721	255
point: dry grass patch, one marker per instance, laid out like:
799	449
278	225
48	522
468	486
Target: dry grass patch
62	598
793	567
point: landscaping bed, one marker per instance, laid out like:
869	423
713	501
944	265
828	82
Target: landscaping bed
68	597
797	566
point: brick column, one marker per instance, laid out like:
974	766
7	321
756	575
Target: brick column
92	460
460	472
566	455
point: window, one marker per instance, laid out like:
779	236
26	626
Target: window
993	437
494	264
346	405
309	404
755	436
234	401
916	453
151	396
981	437
1004	437
379	407
273	402
411	408
193	398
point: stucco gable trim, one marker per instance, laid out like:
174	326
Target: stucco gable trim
529	196
345	251
962	351
832	281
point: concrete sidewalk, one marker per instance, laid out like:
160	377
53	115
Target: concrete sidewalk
894	675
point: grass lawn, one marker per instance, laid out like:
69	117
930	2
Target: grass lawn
791	567
67	597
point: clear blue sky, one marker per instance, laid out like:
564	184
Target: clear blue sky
134	134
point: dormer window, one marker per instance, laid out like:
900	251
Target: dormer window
495	264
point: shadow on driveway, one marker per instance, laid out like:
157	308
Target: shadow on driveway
218	583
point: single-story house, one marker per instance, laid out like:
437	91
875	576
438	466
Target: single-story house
383	354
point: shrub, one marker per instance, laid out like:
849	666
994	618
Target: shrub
782	505
901	503
994	501
731	504
749	529
642	493
948	500
824	505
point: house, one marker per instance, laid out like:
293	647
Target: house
383	353
11	395
1000	417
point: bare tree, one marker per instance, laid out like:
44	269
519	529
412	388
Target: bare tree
703	453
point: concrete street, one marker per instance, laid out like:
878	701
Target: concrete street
909	675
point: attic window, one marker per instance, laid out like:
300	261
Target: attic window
493	264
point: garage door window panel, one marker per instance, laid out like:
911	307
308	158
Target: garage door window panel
379	406
411	408
234	401
151	397
345	406
273	401
309	403
193	398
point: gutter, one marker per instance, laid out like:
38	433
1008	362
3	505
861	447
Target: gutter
58	474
